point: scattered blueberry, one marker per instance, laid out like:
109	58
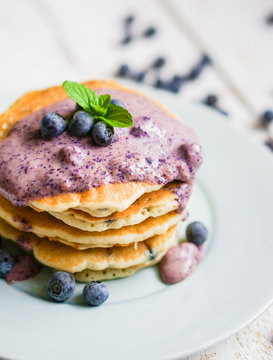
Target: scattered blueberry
140	76
205	60
211	100
80	124
197	233
95	293
149	32
177	83
269	144
159	84
52	125
129	19
6	263
118	103
124	70
269	19
267	117
61	286
126	40
159	63
103	134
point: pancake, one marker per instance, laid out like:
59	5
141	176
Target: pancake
100	201
94	264
154	204
45	225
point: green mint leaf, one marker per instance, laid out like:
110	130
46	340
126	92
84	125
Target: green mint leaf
80	93
100	107
117	116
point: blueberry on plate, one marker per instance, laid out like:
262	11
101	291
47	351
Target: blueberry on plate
6	263
118	103
95	293
103	134
61	286
197	233
52	125
80	124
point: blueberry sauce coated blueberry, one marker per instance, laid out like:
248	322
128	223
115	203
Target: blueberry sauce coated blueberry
197	233
80	124
118	103
52	125
6	263
267	117
95	293
61	286
103	134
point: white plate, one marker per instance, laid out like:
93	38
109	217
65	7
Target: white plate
143	318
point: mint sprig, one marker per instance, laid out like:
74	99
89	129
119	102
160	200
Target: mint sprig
98	106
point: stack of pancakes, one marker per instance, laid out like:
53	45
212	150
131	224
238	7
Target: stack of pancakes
106	232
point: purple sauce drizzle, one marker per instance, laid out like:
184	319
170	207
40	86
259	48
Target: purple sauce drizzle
25	268
179	262
157	149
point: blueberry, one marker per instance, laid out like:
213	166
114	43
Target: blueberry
103	134
80	124
52	125
6	263
211	100
197	233
150	31
267	117
126	40
159	84
269	19
61	286
269	144
123	70
205	60
129	19
140	76
176	84
95	293
118	103
159	62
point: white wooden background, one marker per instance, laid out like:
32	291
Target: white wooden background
43	42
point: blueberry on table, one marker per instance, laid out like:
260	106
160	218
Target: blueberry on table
123	70
6	263
197	233
129	19
52	125
80	124
118	103
159	62
211	100
103	134
267	117
61	286
126	40
149	32
95	293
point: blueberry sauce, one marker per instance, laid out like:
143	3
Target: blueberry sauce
32	167
25	268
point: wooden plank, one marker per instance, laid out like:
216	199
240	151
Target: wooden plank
30	56
236	35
